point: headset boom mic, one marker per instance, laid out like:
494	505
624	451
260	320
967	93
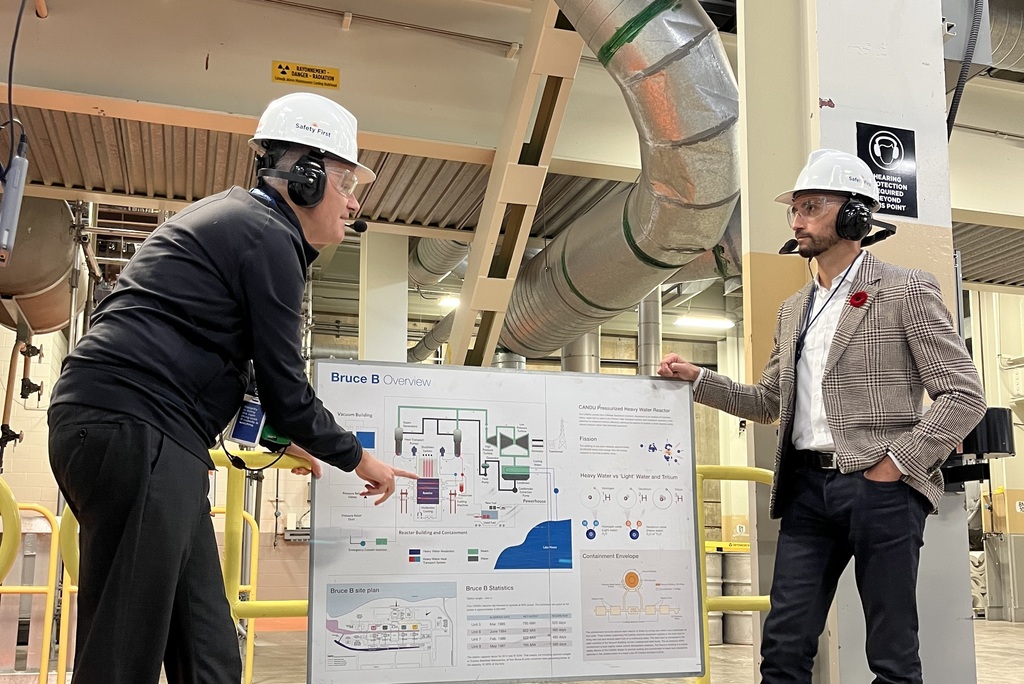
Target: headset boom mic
789	247
359	226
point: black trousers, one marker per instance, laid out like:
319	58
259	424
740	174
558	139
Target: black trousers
150	584
828	518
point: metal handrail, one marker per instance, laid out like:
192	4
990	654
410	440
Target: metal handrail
236	517
67	588
10	516
250	589
50	588
69	555
722	603
233	536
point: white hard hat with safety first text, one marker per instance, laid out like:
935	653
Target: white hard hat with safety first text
313	121
835	171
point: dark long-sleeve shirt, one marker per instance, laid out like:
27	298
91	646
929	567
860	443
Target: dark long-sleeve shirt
218	285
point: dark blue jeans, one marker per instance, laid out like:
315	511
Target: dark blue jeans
828	518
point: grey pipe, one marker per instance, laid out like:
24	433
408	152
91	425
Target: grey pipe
433	340
1006	18
583	355
431	260
679	88
506	359
648	343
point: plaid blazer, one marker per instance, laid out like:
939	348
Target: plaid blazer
885	354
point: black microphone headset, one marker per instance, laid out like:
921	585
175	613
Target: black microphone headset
853	222
307	182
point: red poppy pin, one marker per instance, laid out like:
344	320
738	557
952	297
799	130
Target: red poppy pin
857	299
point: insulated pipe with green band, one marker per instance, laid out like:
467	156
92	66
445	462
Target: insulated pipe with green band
628	31
575	291
640	254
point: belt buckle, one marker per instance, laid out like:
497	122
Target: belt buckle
829	461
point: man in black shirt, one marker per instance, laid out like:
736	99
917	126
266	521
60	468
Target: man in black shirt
163	369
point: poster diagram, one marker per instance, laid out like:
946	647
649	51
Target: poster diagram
551	531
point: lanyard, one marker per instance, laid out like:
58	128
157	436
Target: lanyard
808	321
267	199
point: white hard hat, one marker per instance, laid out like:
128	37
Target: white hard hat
835	171
313	121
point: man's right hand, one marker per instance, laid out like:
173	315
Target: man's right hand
380	477
675	366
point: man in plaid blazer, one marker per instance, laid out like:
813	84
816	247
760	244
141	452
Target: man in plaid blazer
857	464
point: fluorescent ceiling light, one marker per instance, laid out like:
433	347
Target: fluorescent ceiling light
705	322
448	302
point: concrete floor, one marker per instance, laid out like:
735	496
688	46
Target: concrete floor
281	658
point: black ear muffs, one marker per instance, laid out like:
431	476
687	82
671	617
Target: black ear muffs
308	183
853	222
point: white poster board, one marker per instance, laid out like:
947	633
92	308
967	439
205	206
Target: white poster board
552	532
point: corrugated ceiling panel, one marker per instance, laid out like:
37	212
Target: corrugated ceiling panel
989	254
567	198
97	153
135	158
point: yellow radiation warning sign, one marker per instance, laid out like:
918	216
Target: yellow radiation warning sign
304	74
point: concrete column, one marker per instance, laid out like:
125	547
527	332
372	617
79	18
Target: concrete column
648	343
383	297
583	355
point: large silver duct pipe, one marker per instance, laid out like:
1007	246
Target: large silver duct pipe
583	355
431	260
718	263
668	60
648	342
432	341
1006	19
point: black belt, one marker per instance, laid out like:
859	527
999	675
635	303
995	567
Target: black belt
816	460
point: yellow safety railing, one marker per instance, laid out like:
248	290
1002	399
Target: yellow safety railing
723	603
10	511
69	554
236	517
233	537
249	589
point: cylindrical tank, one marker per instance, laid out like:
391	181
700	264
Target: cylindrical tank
737	627
713	577
36	277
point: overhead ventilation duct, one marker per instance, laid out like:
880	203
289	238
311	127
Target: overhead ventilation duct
432	341
721	262
34	285
668	60
431	260
1006	20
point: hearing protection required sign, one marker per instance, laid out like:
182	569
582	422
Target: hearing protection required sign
304	74
890	153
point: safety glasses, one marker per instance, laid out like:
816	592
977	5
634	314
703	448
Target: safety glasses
344	180
810	207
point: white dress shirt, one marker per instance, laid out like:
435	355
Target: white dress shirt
810	424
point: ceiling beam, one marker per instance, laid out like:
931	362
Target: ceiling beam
544	76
